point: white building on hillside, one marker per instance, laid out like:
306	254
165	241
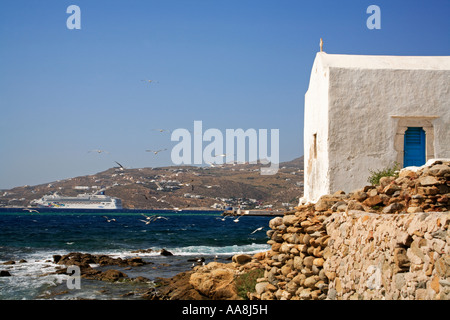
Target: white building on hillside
366	112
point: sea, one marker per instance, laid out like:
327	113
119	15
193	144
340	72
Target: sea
31	239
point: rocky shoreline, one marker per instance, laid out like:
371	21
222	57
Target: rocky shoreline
389	241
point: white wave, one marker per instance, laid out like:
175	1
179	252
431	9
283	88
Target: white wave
27	278
198	250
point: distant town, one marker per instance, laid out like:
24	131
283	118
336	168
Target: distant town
225	187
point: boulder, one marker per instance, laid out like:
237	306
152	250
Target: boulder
164	252
373	201
428	181
242	258
5	273
275	222
215	281
290	220
393	207
112	275
260	287
56	258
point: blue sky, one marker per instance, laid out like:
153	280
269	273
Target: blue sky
229	63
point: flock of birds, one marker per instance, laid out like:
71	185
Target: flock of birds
152	218
156	151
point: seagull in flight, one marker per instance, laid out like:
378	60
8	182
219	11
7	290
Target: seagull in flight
161	130
98	151
109	220
221	155
152	218
30	210
121	167
146	221
160	199
155	151
237	219
222	219
150	81
257	229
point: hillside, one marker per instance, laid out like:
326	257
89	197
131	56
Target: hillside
179	186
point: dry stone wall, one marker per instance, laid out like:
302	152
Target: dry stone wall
374	256
294	265
390	241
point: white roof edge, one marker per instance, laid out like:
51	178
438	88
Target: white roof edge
384	62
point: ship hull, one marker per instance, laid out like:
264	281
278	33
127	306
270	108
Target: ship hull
80	202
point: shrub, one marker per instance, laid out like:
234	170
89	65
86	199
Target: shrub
246	282
390	171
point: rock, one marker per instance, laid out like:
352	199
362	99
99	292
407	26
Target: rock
443	266
372	192
260	287
215	281
310	282
414	210
305	294
56	258
318	262
391	189
259	256
394	207
325	202
428	181
9	262
435	284
373	201
275	222
5	273
308	261
135	262
354	205
406	173
242	258
339	206
438	170
384	181
359	196
112	275
164	252
290	220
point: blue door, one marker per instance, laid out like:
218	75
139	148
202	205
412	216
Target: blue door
414	147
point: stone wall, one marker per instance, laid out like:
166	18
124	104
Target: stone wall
294	265
375	256
390	241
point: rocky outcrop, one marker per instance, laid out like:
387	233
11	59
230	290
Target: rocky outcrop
216	281
85	260
390	241
213	281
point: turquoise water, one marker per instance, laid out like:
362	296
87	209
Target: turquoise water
36	237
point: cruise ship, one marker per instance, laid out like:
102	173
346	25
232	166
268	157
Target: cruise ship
96	200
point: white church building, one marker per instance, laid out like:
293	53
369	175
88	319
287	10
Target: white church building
366	112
